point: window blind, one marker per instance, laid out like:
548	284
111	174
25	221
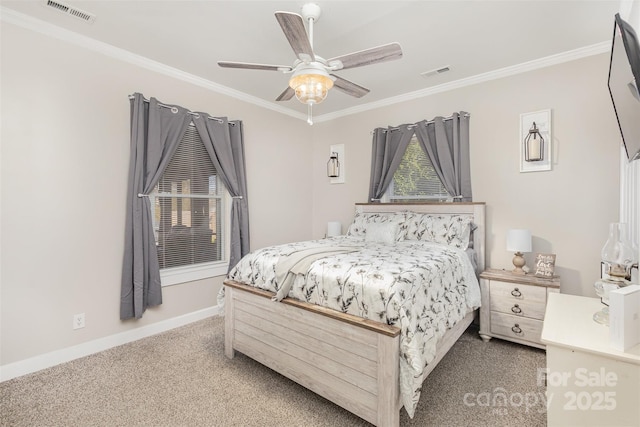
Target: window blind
415	177
187	203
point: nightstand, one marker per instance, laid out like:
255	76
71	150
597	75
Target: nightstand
513	306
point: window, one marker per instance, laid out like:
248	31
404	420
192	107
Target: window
415	178
188	212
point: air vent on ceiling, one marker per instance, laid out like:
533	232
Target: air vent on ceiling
436	71
70	10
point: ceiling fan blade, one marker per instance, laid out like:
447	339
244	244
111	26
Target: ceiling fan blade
293	28
348	87
251	66
374	55
286	95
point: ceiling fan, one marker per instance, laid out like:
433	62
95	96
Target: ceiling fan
312	75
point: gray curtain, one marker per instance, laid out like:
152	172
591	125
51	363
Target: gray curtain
446	143
224	143
155	134
389	146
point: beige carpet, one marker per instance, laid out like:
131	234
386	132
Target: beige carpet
181	378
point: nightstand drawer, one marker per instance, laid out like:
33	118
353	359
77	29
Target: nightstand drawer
516	327
516	293
522	307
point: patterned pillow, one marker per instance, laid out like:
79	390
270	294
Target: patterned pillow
362	220
448	229
412	219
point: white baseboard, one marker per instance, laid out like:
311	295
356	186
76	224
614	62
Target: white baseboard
47	360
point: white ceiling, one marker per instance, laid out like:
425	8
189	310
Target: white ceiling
472	37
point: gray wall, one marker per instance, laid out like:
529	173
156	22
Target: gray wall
567	209
65	156
65	152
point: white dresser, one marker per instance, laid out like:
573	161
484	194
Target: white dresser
588	382
513	305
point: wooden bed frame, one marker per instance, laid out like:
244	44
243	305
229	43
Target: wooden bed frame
351	361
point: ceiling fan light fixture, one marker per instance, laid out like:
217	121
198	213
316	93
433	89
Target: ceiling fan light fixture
311	81
311	84
311	88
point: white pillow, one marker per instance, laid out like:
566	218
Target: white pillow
381	232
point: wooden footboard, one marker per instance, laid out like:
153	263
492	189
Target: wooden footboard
350	361
354	364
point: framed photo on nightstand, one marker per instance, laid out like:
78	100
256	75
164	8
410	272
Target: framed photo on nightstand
545	264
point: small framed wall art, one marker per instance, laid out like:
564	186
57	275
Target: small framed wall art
535	141
544	265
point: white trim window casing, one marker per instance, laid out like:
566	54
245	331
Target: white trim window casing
190	218
177	275
415	179
630	203
190	273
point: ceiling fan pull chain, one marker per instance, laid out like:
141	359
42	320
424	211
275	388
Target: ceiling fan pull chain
309	114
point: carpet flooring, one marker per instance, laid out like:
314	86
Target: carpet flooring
182	378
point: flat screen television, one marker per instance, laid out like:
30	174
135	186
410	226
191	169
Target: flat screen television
624	77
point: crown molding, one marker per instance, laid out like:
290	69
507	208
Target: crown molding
25	21
524	67
43	27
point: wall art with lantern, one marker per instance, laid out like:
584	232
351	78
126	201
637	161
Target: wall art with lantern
535	141
336	169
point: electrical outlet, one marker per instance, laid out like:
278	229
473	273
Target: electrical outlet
78	321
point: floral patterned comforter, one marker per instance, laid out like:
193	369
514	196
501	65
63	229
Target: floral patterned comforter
421	287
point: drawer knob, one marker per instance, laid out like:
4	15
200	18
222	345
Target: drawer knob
516	309
516	329
516	292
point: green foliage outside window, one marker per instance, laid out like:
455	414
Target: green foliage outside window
415	177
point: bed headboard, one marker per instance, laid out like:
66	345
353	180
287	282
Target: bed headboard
477	209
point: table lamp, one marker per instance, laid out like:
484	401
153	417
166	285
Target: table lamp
518	241
334	228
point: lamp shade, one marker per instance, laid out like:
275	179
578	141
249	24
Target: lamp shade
334	228
618	254
519	240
